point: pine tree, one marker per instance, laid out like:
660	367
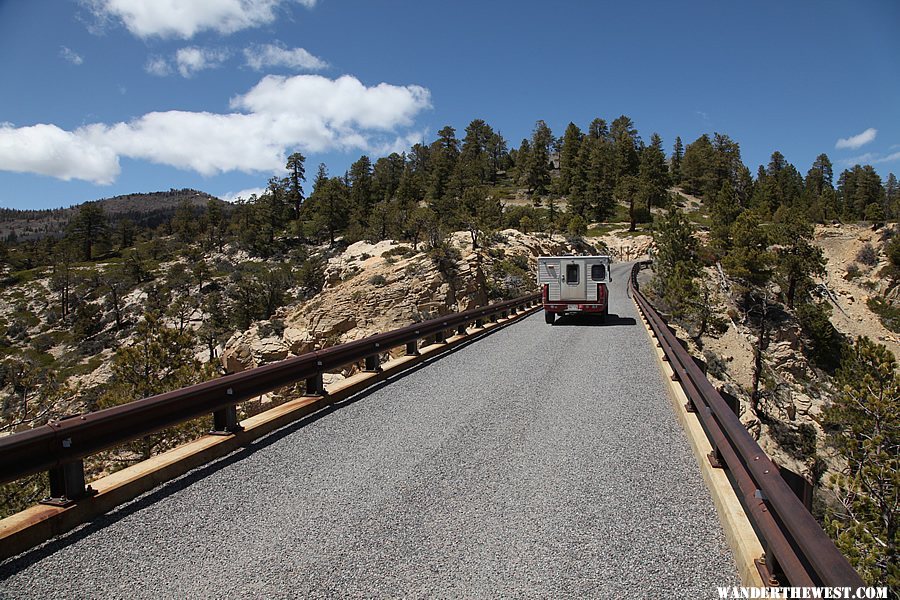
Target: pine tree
675	263
89	228
864	425
796	259
296	175
568	159
675	164
443	154
654	175
537	168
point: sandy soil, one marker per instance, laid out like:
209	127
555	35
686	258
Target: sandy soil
851	316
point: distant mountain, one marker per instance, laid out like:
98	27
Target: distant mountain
145	210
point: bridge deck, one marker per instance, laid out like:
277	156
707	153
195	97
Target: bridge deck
538	461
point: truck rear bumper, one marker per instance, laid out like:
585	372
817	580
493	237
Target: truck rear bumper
573	308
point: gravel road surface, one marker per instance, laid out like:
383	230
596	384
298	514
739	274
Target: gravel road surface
540	461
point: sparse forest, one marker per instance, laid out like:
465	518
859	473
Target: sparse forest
116	300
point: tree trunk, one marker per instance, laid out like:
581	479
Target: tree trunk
758	358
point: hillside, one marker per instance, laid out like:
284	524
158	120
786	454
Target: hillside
143	210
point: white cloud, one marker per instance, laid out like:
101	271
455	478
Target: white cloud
70	55
262	56
244	194
185	18
48	150
191	60
858	140
306	112
870	158
159	66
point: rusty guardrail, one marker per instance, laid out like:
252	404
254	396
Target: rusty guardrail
59	447
796	548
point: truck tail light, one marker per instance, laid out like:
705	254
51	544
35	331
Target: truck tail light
601	294
545	292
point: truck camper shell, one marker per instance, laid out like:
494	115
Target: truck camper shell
574	285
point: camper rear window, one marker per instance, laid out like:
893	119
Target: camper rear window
598	272
571	274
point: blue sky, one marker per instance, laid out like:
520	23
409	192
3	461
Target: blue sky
107	97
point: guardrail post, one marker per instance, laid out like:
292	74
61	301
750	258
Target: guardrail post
67	484
461	330
373	364
440	337
492	318
225	421
412	348
479	323
315	386
769	569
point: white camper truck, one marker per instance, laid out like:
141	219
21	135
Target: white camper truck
574	285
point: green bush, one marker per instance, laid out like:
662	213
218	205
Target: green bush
887	312
826	343
378	280
867	256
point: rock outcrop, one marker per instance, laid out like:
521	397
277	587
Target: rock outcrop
370	288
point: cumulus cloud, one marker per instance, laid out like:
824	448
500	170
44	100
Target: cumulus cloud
307	112
858	140
262	56
48	150
185	18
191	60
243	194
70	55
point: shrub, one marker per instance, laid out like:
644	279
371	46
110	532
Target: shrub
799	442
887	312
378	280
867	255
395	251
827	345
852	272
445	258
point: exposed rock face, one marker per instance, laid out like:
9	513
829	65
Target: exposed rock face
263	343
625	248
372	288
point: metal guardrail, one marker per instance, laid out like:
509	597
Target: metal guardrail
796	548
59	447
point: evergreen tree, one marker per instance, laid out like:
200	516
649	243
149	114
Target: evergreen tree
89	228
626	141
892	196
627	190
725	211
443	154
675	164
568	160
697	167
749	259
654	175
863	422
796	259
675	263
858	188
537	167
362	195
159	359
296	175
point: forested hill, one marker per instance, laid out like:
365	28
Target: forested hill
143	210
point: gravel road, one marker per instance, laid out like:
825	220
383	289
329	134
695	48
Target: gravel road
540	461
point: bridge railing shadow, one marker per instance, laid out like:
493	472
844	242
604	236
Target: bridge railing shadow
611	320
